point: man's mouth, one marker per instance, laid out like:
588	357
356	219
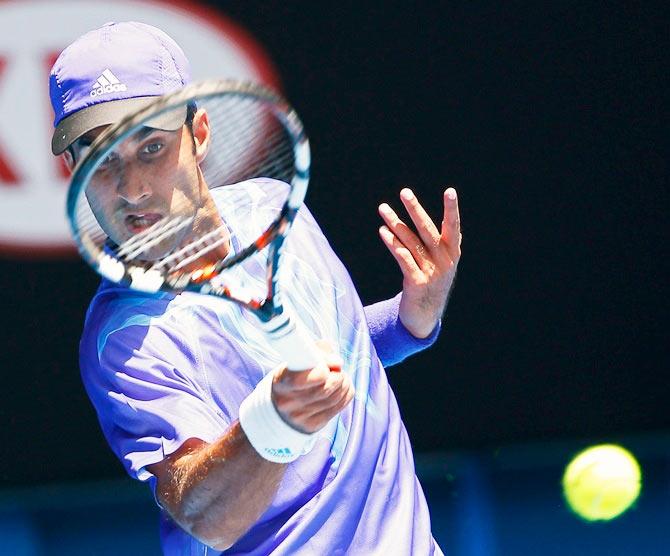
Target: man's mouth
136	223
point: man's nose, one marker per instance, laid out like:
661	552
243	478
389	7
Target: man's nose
133	186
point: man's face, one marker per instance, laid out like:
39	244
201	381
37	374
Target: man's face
150	177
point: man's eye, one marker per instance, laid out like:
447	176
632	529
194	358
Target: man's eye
152	148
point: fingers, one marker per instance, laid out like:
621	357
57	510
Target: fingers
310	408
409	251
307	400
301	380
428	259
319	419
331	362
451	224
330	398
430	243
407	260
425	226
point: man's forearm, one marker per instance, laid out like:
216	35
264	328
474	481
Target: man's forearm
218	491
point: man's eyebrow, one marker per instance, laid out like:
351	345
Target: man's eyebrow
87	140
144	132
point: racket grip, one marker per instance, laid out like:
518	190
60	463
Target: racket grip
293	342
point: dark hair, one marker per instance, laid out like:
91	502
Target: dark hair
191	109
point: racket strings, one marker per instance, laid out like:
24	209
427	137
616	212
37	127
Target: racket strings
132	249
193	251
248	141
135	247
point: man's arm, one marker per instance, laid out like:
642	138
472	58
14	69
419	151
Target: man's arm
217	491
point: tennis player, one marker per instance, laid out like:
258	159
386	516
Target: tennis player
168	374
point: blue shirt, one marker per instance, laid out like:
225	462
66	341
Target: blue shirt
161	369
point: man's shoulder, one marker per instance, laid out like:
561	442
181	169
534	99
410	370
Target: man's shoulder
115	307
112	298
121	323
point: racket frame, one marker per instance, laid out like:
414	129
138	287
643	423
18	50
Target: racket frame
199	281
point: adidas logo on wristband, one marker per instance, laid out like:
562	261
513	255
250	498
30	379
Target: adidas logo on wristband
279	452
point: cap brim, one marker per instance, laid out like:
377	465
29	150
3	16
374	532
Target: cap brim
105	113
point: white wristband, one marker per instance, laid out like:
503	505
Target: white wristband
273	438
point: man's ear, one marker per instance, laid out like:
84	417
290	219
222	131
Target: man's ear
69	159
201	134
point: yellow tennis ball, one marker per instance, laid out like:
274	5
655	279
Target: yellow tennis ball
602	482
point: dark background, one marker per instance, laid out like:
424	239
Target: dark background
549	121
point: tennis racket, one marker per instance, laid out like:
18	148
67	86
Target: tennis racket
155	210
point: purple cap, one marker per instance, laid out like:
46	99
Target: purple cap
110	72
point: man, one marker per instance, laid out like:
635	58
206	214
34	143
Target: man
177	381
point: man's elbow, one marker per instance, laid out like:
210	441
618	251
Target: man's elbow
216	536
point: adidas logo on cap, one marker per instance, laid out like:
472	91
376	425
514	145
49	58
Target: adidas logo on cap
107	83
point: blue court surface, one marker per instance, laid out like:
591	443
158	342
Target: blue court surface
499	502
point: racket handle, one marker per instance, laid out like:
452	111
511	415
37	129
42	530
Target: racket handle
293	342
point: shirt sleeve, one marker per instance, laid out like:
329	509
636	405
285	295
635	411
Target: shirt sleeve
144	382
393	342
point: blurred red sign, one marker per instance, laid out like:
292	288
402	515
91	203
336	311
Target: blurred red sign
33	183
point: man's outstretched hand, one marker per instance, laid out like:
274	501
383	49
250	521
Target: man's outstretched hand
427	257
